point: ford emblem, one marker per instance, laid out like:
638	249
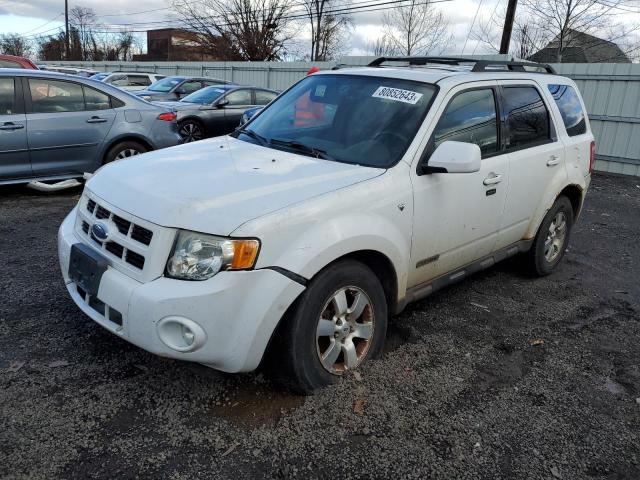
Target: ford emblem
100	231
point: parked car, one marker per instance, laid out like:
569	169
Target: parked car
175	88
132	80
354	193
11	61
65	70
216	110
56	127
100	76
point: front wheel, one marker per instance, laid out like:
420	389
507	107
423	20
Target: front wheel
552	238
338	322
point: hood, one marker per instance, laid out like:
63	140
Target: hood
179	105
216	185
148	93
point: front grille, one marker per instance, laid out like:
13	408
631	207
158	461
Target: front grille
99	306
122	244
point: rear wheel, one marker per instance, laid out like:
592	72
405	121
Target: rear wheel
123	150
552	238
191	131
339	322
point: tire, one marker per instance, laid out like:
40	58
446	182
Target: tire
303	338
548	247
191	131
124	150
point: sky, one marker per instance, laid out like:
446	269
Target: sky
31	17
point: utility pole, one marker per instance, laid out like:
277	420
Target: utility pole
508	26
67	50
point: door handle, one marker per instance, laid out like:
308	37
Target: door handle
10	126
553	161
97	120
492	179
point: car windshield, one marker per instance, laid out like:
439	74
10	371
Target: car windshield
355	119
204	96
164	85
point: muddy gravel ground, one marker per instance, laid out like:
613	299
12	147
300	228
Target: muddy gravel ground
499	377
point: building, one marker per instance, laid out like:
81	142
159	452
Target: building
173	45
580	48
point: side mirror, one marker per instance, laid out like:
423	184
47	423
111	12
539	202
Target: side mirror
453	157
222	103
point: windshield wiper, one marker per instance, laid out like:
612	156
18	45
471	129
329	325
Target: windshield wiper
301	147
250	133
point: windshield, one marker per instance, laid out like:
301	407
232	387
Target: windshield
164	85
348	118
204	96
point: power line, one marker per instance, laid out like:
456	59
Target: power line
471	27
43	25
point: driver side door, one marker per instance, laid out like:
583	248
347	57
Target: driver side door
457	215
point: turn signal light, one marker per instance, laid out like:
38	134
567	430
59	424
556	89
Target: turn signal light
244	254
168	117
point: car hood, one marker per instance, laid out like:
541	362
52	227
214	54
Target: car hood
179	105
149	93
216	185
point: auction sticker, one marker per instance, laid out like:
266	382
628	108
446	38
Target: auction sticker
397	94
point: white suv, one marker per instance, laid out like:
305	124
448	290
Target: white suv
352	194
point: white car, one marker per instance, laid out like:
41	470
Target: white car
132	81
352	194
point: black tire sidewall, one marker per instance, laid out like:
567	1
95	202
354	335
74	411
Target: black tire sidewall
538	263
194	122
118	147
308	372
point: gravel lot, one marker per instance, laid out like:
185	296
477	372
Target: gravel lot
499	377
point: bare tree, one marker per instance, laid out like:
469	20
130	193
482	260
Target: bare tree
417	28
84	21
526	38
380	47
564	21
328	31
238	29
14	44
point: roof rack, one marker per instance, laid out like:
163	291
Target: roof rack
478	65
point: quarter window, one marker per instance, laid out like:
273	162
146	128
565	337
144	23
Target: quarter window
527	117
570	108
7	96
471	118
50	96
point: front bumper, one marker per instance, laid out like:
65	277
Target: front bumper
234	313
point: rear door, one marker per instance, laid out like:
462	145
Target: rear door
67	124
14	153
263	97
238	101
536	158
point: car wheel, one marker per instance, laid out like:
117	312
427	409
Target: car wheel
552	238
338	322
191	131
123	150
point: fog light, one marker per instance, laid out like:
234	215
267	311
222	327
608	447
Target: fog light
181	334
188	335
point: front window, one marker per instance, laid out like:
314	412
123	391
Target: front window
355	119
165	85
204	96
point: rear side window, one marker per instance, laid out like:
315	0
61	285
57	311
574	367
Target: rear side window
470	118
95	100
527	117
7	96
50	96
570	108
262	97
9	64
239	97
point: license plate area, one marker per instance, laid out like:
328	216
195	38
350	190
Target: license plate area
86	267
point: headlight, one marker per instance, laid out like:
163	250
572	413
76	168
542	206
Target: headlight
198	256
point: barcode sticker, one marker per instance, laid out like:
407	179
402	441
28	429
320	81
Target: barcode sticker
397	94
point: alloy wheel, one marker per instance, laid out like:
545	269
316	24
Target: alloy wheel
126	153
345	330
190	132
556	237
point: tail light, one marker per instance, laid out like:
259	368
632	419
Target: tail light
592	156
168	117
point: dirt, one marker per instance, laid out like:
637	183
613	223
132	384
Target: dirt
501	376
